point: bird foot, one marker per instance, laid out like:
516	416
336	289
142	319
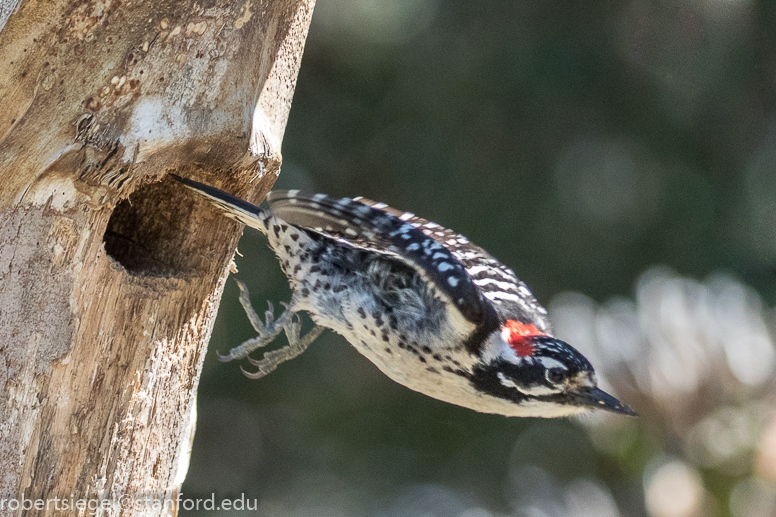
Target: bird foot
296	345
267	331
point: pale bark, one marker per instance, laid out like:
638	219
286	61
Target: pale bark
108	288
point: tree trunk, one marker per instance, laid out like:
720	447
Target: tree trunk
108	290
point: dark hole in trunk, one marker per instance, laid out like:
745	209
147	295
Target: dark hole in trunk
151	232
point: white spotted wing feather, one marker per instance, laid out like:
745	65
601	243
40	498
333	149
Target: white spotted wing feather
469	276
499	285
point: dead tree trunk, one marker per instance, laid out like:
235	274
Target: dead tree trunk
108	291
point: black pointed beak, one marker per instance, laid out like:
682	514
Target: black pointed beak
596	398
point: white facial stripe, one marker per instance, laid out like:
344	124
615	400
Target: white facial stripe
533	390
505	332
506	382
549	362
499	349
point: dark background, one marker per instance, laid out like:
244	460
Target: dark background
621	158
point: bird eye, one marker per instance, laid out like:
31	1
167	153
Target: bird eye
556	375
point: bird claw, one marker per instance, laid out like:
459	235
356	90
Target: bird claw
296	345
269	315
254	362
224	358
267	331
252	375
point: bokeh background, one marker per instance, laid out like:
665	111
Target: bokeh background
621	158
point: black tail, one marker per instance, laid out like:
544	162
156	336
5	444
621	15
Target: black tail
232	206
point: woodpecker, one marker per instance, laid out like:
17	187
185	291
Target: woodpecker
430	309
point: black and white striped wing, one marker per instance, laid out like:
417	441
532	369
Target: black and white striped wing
498	283
372	228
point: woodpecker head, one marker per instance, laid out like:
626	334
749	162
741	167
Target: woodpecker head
540	375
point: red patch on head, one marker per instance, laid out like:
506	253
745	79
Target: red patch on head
518	336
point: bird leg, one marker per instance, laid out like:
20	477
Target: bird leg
267	331
296	345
